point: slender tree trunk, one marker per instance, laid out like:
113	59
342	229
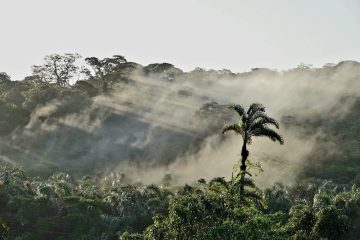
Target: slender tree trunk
103	83
104	87
244	156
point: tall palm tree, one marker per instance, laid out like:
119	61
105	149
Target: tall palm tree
253	123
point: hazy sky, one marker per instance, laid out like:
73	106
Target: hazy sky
232	34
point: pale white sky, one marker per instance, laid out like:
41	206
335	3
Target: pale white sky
233	34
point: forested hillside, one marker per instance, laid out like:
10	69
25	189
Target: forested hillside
110	149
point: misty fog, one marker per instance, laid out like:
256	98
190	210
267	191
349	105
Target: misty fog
155	124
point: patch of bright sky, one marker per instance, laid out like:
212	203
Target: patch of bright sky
232	34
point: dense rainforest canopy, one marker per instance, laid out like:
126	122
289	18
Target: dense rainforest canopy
72	134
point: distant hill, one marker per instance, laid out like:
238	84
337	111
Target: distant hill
154	116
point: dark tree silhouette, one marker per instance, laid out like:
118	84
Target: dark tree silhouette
4	77
253	123
59	69
103	67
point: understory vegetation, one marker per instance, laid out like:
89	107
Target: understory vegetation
63	208
55	181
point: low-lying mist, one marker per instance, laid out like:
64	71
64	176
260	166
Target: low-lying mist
156	124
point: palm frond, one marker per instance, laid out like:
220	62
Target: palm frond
252	195
255	107
202	181
267	132
152	190
234	127
261	123
263	118
238	108
220	181
246	182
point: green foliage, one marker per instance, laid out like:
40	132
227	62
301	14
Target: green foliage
63	208
4	77
86	87
278	199
132	236
331	223
105	70
203	216
60	207
301	221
